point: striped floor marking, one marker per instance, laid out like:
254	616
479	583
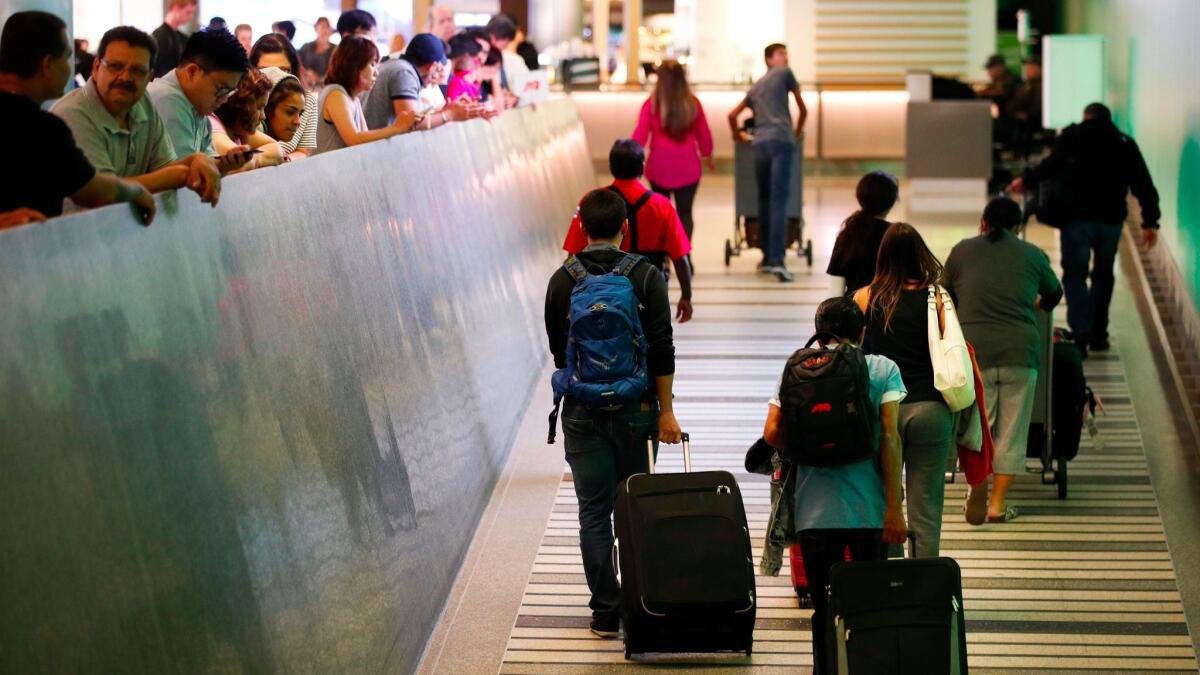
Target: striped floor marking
1084	585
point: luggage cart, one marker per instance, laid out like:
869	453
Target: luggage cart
746	217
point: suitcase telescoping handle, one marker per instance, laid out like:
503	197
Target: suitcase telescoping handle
687	453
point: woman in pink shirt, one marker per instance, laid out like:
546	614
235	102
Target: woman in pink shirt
673	122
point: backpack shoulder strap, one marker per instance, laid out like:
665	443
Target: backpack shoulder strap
627	264
631	213
575	268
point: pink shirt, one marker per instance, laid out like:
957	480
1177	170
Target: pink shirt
673	164
459	85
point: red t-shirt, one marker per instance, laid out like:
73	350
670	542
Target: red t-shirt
659	227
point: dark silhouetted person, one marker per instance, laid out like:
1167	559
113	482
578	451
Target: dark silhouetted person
1094	166
35	65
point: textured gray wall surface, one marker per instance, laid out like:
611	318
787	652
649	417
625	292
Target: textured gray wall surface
258	438
949	139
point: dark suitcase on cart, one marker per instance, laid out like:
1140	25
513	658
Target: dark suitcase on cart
687	571
746	227
897	617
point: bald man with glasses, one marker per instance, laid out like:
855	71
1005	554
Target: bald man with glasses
118	129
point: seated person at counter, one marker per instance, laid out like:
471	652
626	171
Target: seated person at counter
238	122
212	64
117	127
1002	83
655	230
35	65
1026	104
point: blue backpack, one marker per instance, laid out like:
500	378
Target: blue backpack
606	348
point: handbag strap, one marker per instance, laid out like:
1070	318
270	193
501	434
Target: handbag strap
938	295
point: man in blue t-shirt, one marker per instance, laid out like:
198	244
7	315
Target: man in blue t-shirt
851	505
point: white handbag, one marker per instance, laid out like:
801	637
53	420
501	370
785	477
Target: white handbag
953	375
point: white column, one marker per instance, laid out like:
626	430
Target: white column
600	17
633	42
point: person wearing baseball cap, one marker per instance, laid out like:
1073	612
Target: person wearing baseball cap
398	88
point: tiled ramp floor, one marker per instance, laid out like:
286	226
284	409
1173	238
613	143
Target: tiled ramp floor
1081	585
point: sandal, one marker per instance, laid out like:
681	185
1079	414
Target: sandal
975	507
1010	513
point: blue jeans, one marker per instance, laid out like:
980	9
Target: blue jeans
773	170
1087	310
603	449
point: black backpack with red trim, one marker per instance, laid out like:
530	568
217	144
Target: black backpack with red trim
826	403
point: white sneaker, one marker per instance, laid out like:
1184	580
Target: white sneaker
781	273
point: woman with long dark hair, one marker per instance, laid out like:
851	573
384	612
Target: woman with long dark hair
1000	282
673	130
896	305
857	245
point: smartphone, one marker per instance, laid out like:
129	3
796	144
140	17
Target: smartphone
255	151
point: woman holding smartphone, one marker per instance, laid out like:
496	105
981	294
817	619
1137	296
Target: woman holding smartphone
239	121
352	72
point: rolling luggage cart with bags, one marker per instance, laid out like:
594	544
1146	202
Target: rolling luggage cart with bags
746	217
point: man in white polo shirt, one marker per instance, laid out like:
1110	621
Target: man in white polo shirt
119	130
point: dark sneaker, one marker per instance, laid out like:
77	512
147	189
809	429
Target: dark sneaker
1100	345
606	625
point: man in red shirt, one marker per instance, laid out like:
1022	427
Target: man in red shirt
653	228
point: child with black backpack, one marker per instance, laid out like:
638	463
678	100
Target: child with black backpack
608	319
835	420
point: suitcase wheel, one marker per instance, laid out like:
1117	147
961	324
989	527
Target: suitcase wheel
808	252
728	251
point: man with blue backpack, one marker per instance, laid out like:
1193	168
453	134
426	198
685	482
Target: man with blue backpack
608	320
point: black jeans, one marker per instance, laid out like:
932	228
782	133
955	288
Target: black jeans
685	197
821	549
603	449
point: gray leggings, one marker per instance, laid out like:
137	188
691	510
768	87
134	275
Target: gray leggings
927	432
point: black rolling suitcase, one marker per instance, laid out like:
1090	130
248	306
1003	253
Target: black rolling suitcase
687	571
897	617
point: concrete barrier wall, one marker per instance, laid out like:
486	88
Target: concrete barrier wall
258	438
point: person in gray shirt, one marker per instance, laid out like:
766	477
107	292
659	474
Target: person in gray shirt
397	91
774	145
999	282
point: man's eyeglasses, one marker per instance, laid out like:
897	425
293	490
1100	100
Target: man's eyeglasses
222	91
115	68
